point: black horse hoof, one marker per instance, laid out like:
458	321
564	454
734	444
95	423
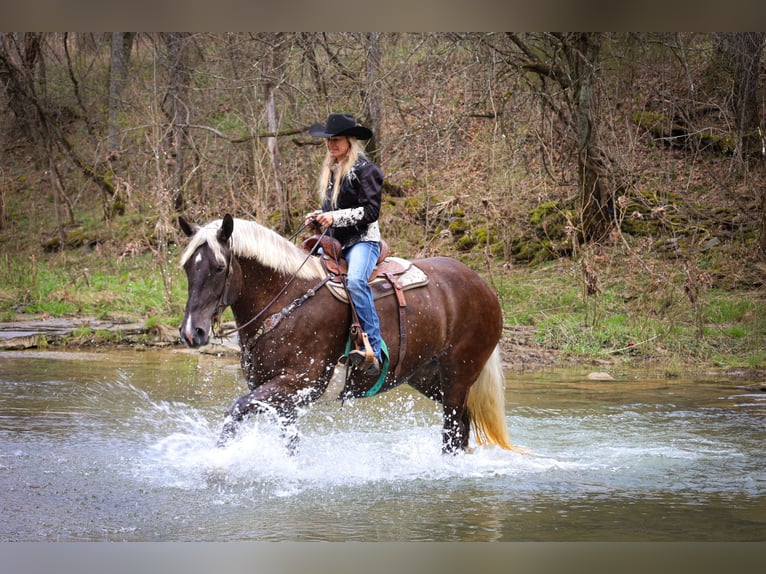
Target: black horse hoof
228	433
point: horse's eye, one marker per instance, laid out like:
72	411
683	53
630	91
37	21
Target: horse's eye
220	269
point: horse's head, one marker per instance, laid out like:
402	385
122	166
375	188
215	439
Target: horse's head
213	277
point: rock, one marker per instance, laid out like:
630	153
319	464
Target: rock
600	376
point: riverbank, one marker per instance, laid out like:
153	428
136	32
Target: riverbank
519	350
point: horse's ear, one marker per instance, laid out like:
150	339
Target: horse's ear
227	226
189	229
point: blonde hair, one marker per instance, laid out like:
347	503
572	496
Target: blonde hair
355	151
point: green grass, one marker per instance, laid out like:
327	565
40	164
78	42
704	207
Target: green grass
654	323
634	316
86	283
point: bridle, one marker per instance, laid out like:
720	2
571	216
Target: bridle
222	303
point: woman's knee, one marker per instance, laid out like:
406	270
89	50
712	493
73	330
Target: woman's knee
356	284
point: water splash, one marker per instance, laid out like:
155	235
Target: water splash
346	446
133	456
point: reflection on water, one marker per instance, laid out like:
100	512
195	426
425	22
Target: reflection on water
121	446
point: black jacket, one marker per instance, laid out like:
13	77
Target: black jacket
356	215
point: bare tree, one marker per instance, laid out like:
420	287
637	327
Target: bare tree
372	94
176	110
564	72
19	56
272	66
22	66
739	54
307	41
119	63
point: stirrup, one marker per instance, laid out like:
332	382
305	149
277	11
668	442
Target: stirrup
373	368
356	357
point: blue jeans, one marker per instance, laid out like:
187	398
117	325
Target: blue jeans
361	259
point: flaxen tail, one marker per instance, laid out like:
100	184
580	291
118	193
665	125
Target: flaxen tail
486	406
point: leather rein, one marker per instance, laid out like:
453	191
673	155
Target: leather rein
274	319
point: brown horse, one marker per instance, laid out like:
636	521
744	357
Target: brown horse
292	330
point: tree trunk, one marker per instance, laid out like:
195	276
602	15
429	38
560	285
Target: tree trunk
307	40
176	112
122	43
272	69
739	53
373	101
19	53
571	60
595	188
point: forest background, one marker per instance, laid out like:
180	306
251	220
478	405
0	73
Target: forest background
609	186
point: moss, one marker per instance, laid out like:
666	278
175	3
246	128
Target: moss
720	144
458	226
414	206
524	249
485	235
76	237
466	242
274	219
543	211
534	251
551	220
652	122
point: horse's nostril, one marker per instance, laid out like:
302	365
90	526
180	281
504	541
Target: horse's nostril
199	334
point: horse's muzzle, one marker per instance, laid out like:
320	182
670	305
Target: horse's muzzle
193	337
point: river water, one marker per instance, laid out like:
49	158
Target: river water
120	445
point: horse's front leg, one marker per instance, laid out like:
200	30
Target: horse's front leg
276	397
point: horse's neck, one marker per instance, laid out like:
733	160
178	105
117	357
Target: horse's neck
260	286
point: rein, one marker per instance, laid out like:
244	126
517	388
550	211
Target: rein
284	312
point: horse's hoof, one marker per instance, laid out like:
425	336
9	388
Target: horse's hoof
228	432
215	477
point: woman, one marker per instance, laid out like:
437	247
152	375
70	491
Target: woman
350	194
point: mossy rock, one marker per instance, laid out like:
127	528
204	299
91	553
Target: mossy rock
653	122
414	206
551	220
639	226
392	190
75	238
485	235
722	144
466	242
543	211
458	226
525	249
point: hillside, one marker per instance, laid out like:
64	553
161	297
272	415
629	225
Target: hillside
478	167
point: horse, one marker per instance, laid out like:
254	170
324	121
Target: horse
444	339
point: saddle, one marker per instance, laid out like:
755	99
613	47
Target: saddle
334	263
391	275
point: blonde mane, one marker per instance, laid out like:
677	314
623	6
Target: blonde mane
253	241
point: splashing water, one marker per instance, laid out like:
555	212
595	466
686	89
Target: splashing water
87	454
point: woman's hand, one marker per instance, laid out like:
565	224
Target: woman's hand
311	218
323	219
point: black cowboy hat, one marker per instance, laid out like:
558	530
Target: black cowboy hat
340	125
